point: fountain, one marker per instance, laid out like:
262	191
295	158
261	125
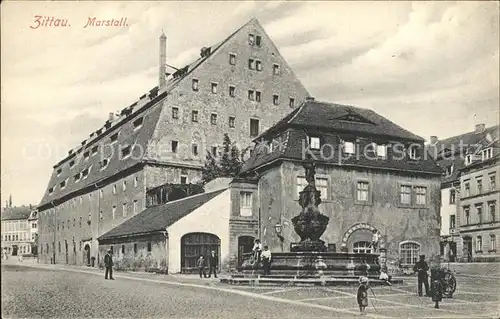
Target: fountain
309	258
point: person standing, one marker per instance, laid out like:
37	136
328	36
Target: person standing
212	264
201	266
362	295
266	260
421	269
108	263
257	251
375	240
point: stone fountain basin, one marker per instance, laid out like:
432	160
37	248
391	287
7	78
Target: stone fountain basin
339	264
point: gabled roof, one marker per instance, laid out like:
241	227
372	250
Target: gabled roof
159	217
127	136
16	213
338	117
469	138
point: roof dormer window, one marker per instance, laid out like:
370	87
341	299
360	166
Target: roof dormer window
71	163
487	154
94	150
77	177
85	172
62	184
412	152
59	170
314	142
104	163
51	190
114	137
86	155
348	147
138	123
126	151
468	159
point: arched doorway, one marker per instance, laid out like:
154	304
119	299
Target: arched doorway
245	246
367	229
86	255
193	245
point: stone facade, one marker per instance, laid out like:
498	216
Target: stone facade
81	202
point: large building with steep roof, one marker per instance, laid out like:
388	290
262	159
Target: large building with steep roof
374	177
240	86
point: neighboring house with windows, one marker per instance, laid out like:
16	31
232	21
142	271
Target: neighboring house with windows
478	216
373	175
451	155
19	226
239	86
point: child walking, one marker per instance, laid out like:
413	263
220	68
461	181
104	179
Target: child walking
363	294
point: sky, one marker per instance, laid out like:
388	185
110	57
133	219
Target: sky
430	67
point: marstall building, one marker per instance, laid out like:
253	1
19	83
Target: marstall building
239	86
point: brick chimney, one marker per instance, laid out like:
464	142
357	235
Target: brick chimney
434	140
480	128
162	77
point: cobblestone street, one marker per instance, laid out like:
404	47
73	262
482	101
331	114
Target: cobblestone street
61	291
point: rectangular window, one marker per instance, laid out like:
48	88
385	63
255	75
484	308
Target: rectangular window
126	151
405	194
251	39
123	249
135	206
232	58
124	210
251	64
195	149
257	96
135	249
138	122
214	87
254	127
487	154
468	159
322	186
493	184
348	147
124	185
421	195
258	40
175	112
452	196
213	119
314	143
194	116
412	153
479	210
114	137
113	211
493	242
467	215
479	183
183	179
276	99
409	253
194	84
291	103
251	96
101	194
245	204
258	65
149	246
452	221
173	146
231	121
136	181
114	189
232	91
479	244
276	69
466	189
362	191
300	184
449	170
493	213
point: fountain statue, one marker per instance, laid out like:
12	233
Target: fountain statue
310	224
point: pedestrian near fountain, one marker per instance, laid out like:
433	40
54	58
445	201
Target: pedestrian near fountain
362	295
257	251
421	269
266	260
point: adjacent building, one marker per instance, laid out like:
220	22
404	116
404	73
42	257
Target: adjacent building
239	86
19	230
374	176
451	155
